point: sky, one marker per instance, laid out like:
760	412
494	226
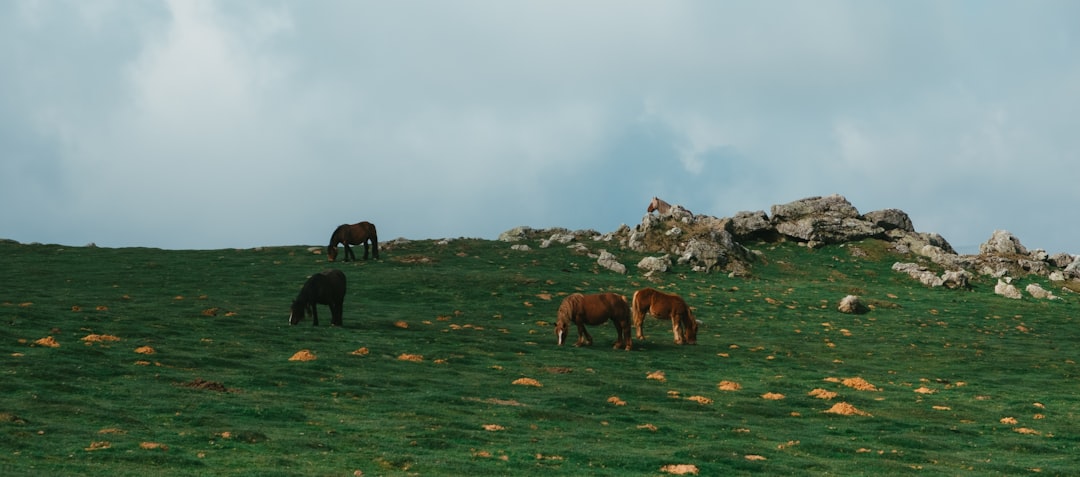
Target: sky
232	124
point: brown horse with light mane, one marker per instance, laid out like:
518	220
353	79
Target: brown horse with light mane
665	306
659	205
353	234
594	310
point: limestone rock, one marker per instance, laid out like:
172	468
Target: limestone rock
852	304
1007	290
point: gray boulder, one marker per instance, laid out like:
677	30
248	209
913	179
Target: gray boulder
890	219
1002	243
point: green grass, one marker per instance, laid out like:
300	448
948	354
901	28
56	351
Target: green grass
481	317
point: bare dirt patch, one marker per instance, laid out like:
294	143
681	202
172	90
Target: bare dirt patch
204	385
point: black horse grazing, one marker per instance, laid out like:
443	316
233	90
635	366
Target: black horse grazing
353	234
323	288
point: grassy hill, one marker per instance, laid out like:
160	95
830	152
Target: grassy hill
178	363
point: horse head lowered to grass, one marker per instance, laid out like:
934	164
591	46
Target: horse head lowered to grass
323	288
665	306
594	310
353	234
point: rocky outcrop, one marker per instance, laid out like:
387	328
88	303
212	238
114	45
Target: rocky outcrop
823	220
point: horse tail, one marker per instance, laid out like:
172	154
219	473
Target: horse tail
374	241
635	310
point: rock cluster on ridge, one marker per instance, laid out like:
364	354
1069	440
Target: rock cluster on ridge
706	243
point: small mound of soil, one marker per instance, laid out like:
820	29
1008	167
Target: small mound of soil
772	396
845	409
616	401
527	382
822	394
145	350
859	384
92	338
416	358
700	399
303	355
48	341
729	386
657	375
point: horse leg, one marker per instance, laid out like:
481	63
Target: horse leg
622	331
584	338
335	314
365	250
314	314
676	328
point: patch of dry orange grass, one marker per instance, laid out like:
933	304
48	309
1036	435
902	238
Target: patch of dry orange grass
145	350
47	341
527	382
729	386
822	394
303	355
153	446
1028	431
616	401
1008	420
680	469
772	396
401	324
755	457
845	409
493	427
657	375
360	352
416	358
924	390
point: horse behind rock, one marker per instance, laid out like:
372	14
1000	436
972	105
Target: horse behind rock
323	288
594	310
665	306
353	234
659	205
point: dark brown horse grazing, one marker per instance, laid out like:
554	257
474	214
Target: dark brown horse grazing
665	307
353	234
594	310
323	288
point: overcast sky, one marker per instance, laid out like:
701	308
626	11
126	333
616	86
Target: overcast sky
192	125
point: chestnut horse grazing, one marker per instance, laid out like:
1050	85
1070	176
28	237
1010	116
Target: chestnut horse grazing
353	234
594	310
665	307
658	205
323	288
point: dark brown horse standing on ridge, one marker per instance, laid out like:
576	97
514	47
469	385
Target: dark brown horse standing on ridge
665	307
594	310
323	288
353	234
